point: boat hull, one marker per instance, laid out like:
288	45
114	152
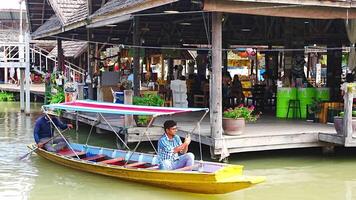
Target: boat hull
223	181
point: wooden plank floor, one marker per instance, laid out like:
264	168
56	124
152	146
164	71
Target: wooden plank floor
38	89
268	133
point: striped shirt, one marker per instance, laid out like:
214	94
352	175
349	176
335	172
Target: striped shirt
166	147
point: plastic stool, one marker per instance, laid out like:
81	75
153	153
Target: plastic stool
295	106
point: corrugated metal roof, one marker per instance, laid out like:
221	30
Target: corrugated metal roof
11	14
70	49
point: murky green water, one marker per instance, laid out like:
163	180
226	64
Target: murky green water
293	174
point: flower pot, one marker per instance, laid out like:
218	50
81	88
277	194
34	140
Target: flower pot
233	126
142	120
339	125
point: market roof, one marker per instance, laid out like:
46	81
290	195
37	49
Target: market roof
311	9
115	11
70	49
121	109
188	25
53	24
11	14
55	16
69	11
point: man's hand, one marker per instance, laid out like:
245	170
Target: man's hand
70	126
187	140
40	144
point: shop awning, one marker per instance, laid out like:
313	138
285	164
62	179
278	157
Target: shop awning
121	109
294	9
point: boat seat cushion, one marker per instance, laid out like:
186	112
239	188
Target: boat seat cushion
112	161
72	154
136	164
95	157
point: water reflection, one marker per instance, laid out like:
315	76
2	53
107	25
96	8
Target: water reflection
294	174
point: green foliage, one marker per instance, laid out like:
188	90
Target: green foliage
142	120
58	97
341	114
315	107
4	96
148	100
241	112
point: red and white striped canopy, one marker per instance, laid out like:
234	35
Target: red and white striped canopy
123	109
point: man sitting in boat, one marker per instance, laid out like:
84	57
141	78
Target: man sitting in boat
43	132
170	145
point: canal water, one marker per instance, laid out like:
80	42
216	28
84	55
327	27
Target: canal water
291	174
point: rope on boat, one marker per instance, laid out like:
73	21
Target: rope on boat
145	133
114	131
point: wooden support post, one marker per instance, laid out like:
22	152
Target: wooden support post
216	92
90	65
22	90
27	74
60	56
128	100
170	68
334	70
162	67
136	61
347	123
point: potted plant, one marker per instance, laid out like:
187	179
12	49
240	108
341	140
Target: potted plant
234	119
146	100
339	124
313	110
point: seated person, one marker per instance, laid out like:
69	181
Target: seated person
236	90
170	145
43	132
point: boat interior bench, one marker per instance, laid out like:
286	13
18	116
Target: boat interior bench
95	157
70	153
112	161
136	164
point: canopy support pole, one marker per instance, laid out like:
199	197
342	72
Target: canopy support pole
114	131
95	122
60	133
145	133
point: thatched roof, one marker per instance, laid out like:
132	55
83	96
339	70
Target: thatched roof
51	25
115	5
70	11
70	49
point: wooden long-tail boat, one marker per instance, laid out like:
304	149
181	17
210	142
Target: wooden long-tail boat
204	177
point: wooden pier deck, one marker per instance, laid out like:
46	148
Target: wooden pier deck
268	133
37	89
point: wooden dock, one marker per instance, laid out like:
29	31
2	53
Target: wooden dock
37	89
268	133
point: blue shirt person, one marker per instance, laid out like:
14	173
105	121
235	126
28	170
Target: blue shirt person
172	152
43	132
